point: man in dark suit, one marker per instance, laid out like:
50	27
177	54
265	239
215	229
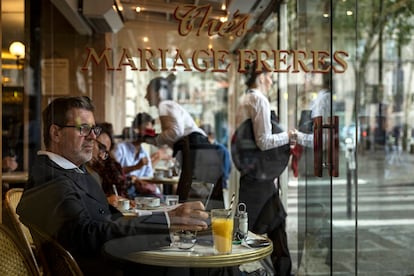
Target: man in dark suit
64	201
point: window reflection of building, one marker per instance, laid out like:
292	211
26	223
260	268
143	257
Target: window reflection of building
198	95
183	93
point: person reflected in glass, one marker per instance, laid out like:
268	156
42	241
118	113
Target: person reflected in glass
319	81
180	132
176	122
135	160
266	214
317	84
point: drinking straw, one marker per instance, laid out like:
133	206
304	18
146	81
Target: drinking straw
209	196
231	204
115	190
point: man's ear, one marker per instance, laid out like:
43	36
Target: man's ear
54	133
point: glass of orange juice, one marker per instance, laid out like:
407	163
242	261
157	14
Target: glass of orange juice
222	225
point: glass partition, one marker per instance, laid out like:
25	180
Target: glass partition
351	217
352	223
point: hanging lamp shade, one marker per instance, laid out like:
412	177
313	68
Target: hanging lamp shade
17	49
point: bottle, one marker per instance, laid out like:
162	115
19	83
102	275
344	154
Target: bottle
243	224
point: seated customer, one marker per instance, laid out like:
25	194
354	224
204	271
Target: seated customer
135	160
66	202
106	170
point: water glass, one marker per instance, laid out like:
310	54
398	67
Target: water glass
184	239
171	200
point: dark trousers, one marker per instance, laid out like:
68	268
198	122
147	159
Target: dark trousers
267	216
280	255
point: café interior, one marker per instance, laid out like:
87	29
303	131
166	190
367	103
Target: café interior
350	211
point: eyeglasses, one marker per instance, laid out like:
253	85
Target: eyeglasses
104	154
84	129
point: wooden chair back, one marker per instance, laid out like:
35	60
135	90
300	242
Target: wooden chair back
15	259
11	199
56	260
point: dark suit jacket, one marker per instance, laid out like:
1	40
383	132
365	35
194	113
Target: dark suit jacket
71	207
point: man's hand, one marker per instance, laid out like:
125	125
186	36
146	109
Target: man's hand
143	162
188	216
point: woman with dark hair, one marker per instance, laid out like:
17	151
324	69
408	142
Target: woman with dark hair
106	170
266	214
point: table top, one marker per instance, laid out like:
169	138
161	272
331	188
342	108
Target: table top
163	180
133	212
201	255
15	177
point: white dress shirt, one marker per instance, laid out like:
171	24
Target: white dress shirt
61	161
321	106
176	123
255	106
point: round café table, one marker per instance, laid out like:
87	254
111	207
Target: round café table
200	256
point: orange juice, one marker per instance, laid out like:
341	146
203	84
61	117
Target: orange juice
222	234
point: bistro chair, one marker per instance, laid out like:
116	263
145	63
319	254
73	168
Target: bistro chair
202	173
55	258
11	199
15	259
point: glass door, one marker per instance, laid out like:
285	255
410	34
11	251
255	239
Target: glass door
319	177
358	221
324	100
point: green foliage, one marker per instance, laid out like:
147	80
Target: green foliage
370	18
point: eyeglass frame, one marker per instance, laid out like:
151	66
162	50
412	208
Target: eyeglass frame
96	129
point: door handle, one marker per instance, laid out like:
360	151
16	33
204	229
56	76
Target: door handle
317	146
332	148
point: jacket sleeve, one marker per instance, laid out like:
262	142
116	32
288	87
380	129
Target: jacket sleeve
81	220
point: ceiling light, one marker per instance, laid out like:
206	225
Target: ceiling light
138	9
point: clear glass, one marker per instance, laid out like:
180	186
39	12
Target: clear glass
184	239
360	222
222	221
171	200
357	223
